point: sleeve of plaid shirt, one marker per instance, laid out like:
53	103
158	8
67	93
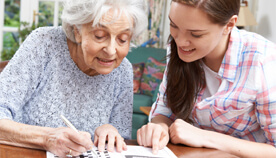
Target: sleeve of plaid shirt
266	97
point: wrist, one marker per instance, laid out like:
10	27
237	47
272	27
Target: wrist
212	139
164	126
43	138
164	121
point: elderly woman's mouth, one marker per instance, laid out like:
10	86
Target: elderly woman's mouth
105	61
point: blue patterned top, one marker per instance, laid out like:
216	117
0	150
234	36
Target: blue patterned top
41	82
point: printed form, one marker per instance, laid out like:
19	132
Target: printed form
133	151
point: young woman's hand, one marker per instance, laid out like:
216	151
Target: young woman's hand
153	135
65	141
182	132
108	133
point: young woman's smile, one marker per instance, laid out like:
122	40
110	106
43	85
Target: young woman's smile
195	35
186	51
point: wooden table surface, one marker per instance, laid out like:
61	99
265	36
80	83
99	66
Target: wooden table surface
180	151
145	109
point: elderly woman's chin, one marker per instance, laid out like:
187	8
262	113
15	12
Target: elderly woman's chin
105	70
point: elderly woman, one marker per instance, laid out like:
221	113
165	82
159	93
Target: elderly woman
78	70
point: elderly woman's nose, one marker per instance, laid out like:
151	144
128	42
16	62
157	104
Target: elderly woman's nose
111	47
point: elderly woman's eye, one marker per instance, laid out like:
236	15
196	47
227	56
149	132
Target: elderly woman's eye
123	38
99	34
99	37
122	41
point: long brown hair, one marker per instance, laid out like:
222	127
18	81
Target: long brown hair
186	80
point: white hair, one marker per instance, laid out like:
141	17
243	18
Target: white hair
78	12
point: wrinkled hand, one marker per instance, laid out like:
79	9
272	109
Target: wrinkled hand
108	133
182	132
153	135
60	141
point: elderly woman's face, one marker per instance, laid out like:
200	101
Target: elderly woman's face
105	46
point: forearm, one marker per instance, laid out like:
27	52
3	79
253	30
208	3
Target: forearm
164	121
236	146
17	134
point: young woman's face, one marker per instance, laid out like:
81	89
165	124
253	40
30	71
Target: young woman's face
195	35
105	46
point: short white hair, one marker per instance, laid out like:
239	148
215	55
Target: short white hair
78	12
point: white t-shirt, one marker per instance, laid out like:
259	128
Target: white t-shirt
212	82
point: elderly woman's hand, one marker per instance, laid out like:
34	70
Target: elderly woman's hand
108	133
65	141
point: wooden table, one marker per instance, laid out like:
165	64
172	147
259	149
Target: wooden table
145	109
180	151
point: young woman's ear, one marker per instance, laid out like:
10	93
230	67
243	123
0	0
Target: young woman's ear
77	34
231	24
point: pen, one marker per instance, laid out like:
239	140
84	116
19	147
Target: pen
69	124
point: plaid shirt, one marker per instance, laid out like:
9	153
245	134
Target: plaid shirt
245	104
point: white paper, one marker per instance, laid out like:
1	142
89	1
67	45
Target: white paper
133	151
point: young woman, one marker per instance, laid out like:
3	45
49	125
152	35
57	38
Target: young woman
219	88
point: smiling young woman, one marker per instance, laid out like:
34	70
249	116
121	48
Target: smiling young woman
218	90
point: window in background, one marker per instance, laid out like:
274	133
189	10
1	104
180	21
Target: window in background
16	25
59	13
50	13
46	10
12	13
10	29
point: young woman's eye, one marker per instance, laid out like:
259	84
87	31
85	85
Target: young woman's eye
172	25
196	36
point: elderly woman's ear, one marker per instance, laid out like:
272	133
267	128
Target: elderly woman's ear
77	34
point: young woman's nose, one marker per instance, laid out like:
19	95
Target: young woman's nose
182	40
